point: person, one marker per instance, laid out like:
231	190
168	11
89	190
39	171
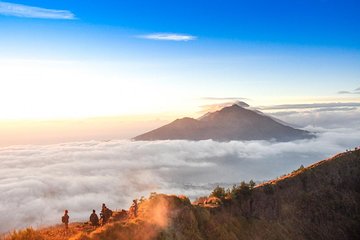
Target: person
134	207
105	214
65	220
94	219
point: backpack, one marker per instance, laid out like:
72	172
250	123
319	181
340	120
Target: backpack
109	212
65	219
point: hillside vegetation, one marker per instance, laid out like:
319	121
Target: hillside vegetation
317	202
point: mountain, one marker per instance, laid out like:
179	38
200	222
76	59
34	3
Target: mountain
230	123
321	201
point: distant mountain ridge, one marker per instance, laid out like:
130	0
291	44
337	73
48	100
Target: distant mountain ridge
229	123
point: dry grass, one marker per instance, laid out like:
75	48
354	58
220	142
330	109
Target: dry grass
57	232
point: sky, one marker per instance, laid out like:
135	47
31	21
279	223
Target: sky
160	60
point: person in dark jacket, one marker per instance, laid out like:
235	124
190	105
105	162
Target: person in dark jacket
134	208
105	214
94	219
65	219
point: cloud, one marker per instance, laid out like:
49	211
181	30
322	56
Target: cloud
224	98
344	92
169	37
310	105
38	182
342	117
335	109
326	115
355	91
25	11
217	106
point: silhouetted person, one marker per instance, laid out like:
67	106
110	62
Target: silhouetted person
134	207
65	220
94	219
105	213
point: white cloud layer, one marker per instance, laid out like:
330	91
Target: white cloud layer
38	182
310	106
169	37
323	117
20	10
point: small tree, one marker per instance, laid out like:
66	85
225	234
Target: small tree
300	169
228	192
243	190
218	192
252	184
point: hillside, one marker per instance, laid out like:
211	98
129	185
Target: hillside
230	123
321	201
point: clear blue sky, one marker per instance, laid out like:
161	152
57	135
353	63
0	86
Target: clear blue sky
327	23
266	51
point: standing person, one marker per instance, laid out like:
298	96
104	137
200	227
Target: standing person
65	220
102	214
105	214
135	207
94	219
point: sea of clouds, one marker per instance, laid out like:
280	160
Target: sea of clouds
37	182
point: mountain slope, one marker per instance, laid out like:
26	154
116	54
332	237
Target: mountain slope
229	123
321	201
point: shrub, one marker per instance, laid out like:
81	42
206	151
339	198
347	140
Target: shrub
218	192
244	190
300	169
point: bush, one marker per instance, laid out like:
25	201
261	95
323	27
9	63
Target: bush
252	184
300	169
244	190
218	192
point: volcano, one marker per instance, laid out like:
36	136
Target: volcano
230	123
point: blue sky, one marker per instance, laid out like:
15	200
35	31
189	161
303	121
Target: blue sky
178	52
305	22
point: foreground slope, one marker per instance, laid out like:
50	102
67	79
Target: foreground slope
230	123
321	201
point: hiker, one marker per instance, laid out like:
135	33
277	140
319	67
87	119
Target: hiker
105	214
94	219
134	207
65	220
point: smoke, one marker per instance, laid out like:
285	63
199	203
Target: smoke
158	213
153	215
38	182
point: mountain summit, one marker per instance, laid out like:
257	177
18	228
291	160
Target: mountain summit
230	123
